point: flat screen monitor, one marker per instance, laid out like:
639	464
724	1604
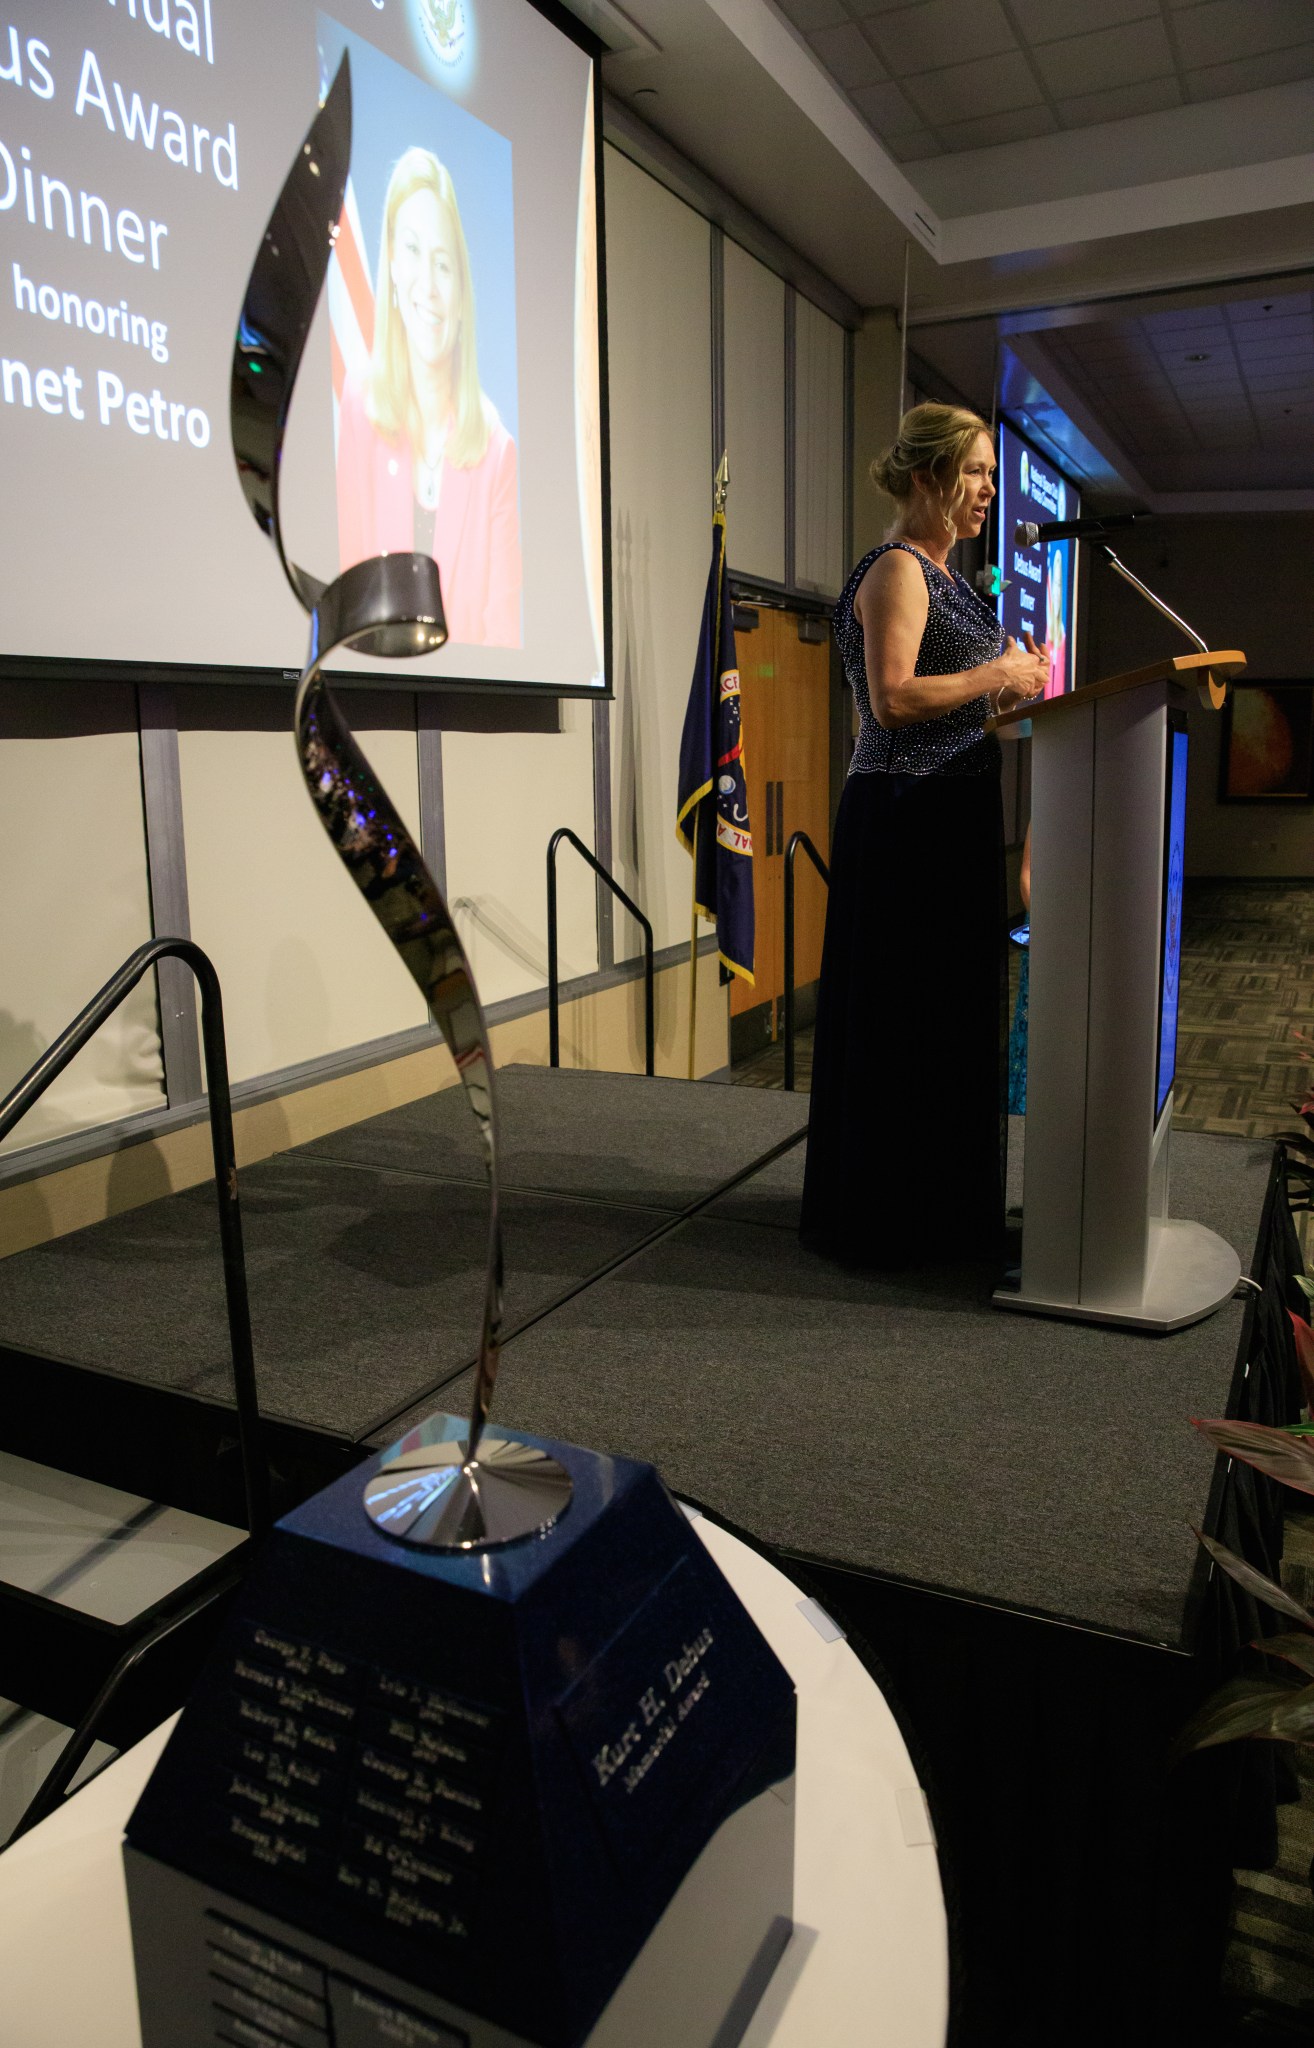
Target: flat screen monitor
450	397
1040	587
1174	871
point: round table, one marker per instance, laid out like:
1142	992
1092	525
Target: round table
867	1962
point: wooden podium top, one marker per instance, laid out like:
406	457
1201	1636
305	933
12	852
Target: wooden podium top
1211	671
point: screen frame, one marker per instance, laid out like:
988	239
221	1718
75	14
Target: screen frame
66	670
997	521
1175	728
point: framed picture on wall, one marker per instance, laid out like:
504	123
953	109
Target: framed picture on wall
1268	744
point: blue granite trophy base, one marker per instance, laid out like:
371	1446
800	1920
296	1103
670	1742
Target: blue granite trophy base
536	1795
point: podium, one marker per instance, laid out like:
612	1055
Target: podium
1108	826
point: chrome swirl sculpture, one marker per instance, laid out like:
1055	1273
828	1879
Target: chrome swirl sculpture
485	1490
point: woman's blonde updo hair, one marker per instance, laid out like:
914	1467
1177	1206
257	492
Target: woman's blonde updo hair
934	441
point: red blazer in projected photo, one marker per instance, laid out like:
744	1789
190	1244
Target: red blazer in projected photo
476	535
421	449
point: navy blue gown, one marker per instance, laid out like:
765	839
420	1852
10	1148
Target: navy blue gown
906	1127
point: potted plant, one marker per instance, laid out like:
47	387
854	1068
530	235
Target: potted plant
1278	1705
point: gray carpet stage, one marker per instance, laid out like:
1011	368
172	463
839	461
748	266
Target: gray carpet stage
365	1250
899	1426
905	1425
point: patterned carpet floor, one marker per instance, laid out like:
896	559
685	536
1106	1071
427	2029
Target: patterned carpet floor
1247	993
1247	990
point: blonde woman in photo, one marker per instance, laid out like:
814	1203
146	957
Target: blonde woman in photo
424	462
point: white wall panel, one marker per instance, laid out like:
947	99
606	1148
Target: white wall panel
305	968
74	902
659	357
819	450
755	415
504	794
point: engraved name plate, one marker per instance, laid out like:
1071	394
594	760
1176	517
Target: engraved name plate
647	1722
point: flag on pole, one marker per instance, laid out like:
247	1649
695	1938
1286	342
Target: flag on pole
712	820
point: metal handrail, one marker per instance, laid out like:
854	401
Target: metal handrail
255	1470
554	1019
54	1786
797	839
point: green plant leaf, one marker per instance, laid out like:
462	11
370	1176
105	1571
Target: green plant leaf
1304	1357
1264	1589
1262	1707
1297	1650
1288	1458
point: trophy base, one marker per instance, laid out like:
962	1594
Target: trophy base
432	1497
207	1962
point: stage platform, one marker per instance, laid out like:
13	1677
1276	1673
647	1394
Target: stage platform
365	1250
997	1507
660	1305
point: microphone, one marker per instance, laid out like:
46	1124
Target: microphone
1028	535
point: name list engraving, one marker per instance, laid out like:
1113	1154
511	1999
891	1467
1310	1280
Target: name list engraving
360	1782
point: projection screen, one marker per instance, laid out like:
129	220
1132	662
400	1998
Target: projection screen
451	396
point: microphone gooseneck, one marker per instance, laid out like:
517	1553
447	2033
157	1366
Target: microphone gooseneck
1026	534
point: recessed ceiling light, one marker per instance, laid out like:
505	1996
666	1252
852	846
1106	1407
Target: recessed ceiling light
1199	355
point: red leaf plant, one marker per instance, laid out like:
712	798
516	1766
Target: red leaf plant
1274	1707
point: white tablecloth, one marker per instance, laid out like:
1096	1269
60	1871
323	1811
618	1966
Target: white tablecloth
867	1963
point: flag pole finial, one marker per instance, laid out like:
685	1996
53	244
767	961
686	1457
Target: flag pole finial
722	483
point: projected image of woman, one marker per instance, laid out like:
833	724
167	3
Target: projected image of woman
903	1161
424	462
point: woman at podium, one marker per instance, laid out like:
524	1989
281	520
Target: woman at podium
904	1158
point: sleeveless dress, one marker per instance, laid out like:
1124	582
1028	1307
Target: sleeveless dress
906	1125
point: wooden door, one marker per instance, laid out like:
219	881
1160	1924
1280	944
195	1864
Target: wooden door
785	708
802	755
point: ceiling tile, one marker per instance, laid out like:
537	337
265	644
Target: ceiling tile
886	109
812	14
961	92
1213	401
1272	308
1044	21
989	129
913	148
1209	391
1112	56
941	32
1186	320
1199	360
1252	74
1190	341
1259	337
1281	349
848	56
1118	102
1277	327
1220	31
